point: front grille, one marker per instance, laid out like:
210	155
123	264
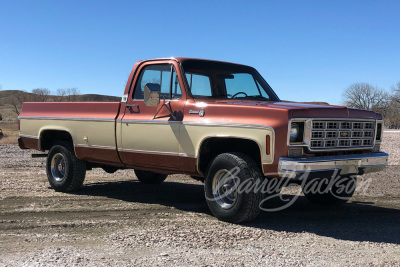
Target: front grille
330	135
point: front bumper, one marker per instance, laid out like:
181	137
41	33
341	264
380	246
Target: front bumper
325	166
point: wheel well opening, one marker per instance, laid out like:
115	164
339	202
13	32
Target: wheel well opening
49	137
214	146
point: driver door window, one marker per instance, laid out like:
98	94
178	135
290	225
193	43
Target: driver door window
160	74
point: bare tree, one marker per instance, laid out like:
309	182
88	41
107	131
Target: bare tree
68	94
366	96
396	92
40	94
61	93
392	116
19	99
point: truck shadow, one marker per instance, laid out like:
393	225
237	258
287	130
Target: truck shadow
355	221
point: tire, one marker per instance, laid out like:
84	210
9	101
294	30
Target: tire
331	192
110	169
225	202
148	177
65	171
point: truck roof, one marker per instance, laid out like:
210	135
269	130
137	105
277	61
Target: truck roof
182	59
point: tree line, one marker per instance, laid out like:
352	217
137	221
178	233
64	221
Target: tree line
367	96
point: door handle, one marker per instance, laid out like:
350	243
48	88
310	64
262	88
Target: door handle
131	105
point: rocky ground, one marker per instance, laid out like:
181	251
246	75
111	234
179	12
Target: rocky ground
116	220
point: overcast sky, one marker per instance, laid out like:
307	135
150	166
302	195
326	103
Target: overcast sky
306	50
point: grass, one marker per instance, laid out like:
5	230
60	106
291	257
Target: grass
10	132
8	140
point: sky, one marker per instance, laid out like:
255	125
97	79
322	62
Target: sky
306	50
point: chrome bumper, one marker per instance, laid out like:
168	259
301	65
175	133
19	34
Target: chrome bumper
351	164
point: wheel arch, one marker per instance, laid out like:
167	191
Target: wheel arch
49	136
212	146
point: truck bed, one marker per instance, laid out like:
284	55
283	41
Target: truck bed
90	124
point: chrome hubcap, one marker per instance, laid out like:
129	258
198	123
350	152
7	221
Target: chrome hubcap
224	188
58	167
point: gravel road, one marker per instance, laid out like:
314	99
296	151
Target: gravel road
115	220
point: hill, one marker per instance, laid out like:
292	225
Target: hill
8	97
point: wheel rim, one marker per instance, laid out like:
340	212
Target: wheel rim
58	167
224	189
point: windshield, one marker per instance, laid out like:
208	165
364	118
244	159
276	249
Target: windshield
208	79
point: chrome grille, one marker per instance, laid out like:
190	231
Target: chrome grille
330	135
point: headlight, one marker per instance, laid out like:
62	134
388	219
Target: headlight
294	132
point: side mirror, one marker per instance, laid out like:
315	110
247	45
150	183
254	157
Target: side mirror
152	94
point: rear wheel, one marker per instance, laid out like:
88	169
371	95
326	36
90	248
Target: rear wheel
330	192
148	177
231	188
65	171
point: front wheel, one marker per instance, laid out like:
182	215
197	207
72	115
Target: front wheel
148	177
330	192
65	171
232	188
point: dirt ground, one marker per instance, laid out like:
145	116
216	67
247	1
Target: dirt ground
115	220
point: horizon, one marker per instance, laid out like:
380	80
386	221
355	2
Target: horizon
308	52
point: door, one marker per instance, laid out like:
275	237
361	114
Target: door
149	141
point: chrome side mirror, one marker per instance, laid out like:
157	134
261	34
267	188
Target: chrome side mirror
152	94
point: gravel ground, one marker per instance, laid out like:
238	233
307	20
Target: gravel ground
115	220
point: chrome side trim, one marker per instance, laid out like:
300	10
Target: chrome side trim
200	123
227	124
97	147
154	152
148	121
65	118
193	123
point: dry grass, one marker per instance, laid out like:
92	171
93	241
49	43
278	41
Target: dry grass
7	140
10	132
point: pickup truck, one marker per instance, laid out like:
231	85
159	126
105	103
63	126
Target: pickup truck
218	122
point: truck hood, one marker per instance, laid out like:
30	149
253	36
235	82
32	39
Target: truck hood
304	110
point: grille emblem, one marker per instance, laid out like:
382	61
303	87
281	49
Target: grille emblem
344	134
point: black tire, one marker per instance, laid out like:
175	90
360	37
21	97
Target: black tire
330	192
148	177
65	171
240	205
110	169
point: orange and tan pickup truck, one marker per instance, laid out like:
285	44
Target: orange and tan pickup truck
218	122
